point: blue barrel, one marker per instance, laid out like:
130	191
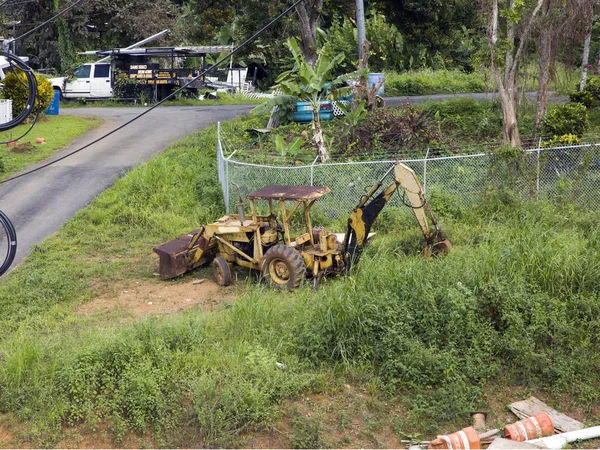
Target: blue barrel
54	106
374	79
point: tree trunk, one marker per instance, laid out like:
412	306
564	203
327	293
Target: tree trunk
510	40
318	134
510	127
586	57
508	87
545	51
309	16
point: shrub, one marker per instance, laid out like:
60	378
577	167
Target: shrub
386	43
593	87
570	118
456	117
583	97
15	88
130	88
565	139
391	130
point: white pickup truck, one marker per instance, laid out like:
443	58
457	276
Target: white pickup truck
91	81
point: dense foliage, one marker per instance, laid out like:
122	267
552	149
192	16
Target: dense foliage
570	118
389	130
15	88
397	43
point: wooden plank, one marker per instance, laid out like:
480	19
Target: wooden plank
533	406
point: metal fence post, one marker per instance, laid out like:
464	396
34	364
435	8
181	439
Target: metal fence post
222	168
312	171
425	172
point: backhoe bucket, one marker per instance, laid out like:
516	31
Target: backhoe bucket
439	248
173	255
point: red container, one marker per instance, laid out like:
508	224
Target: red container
466	439
533	427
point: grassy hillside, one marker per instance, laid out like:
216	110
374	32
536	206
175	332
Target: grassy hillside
515	304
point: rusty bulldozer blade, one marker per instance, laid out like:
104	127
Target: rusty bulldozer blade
176	255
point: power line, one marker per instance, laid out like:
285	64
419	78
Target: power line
168	97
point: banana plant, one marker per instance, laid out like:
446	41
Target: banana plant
310	84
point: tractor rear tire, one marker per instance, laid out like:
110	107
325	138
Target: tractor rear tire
284	267
221	271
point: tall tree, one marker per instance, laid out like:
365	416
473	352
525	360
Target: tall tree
308	13
586	47
90	25
518	19
433	27
560	25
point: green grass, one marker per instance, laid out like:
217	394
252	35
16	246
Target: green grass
430	82
58	131
516	299
223	99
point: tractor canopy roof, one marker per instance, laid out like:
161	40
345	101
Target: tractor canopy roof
295	193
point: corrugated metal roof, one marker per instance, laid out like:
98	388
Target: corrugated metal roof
165	51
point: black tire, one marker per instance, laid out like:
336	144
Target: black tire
221	271
284	267
8	238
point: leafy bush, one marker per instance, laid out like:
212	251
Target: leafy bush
456	117
592	86
565	139
386	49
570	118
131	88
390	130
15	88
583	97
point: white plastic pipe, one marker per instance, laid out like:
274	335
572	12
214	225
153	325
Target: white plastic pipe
560	440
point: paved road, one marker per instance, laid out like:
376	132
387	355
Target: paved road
39	204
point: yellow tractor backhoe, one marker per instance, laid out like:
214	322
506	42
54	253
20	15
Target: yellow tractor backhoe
264	242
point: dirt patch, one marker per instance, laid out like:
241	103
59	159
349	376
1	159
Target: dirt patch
101	436
6	437
159	298
349	418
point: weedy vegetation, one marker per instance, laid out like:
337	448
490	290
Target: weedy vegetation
516	303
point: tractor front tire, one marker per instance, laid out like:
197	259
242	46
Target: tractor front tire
284	267
221	271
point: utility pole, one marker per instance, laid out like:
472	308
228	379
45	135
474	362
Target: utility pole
360	25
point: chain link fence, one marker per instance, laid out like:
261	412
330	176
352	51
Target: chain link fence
560	174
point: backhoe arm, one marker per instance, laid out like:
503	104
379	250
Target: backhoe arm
413	191
362	217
